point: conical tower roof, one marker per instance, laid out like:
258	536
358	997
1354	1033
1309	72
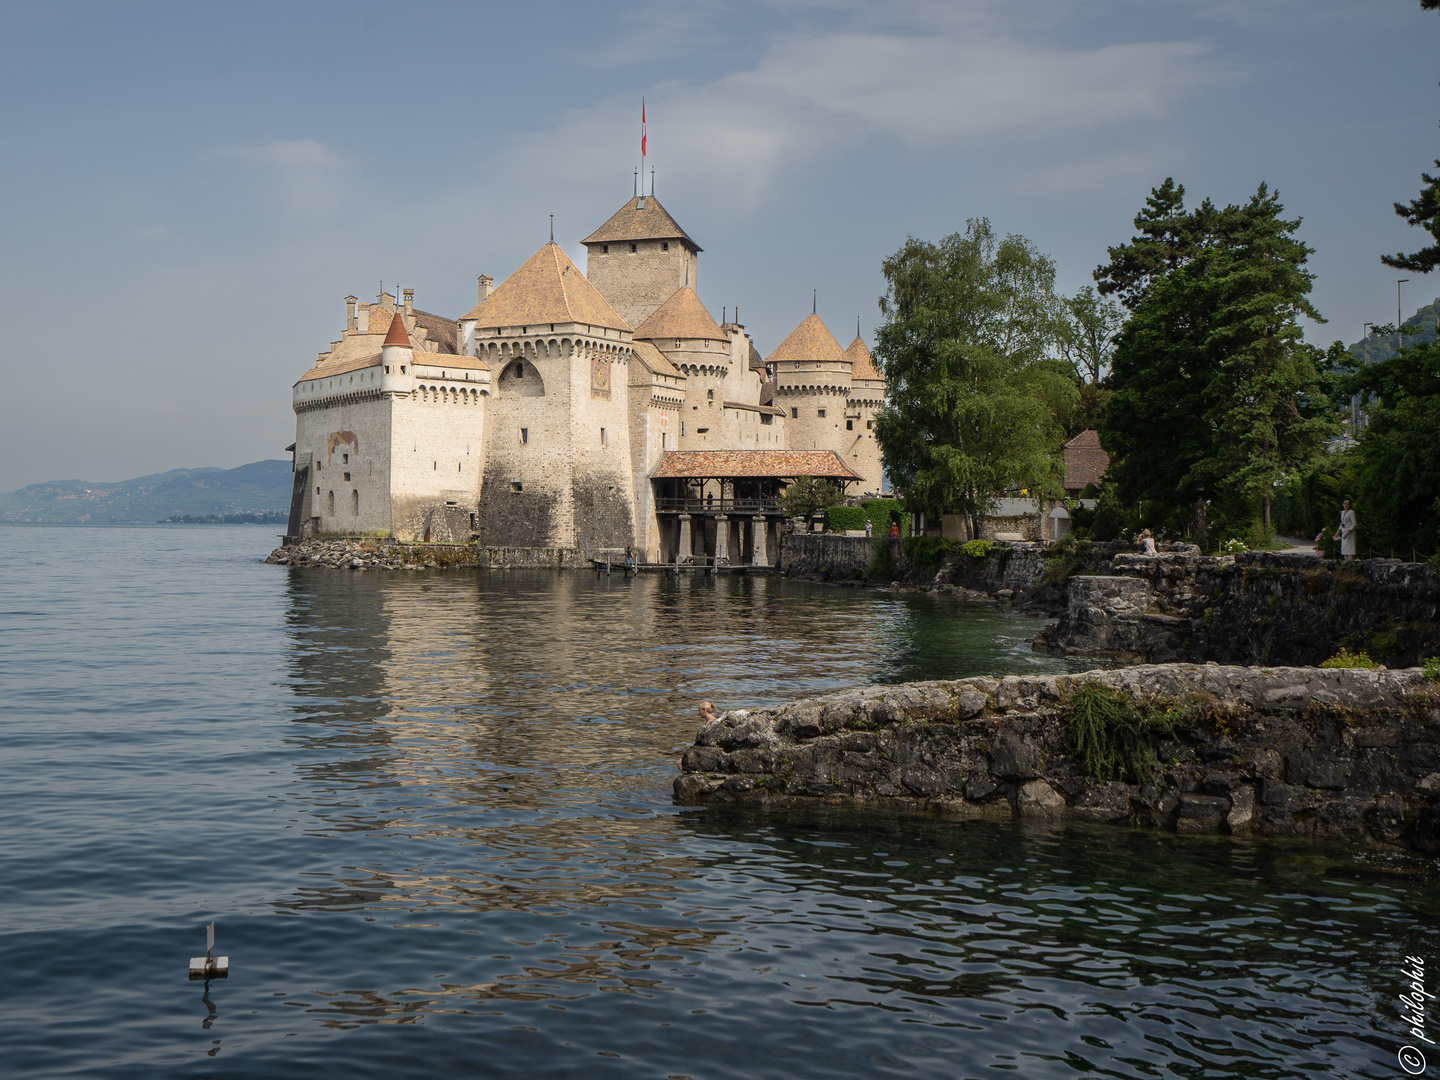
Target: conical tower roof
862	365
397	334
811	340
642	218
547	288
682	316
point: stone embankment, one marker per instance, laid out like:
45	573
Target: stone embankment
1346	754
1253	608
365	553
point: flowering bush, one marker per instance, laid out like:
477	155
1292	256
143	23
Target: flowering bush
1233	546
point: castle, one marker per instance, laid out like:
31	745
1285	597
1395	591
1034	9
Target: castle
591	411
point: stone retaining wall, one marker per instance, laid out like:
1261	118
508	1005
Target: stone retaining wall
371	554
1347	754
1253	608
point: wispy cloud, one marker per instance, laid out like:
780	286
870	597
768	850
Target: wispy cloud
307	174
946	90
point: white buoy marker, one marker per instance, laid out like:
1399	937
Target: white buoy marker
207	966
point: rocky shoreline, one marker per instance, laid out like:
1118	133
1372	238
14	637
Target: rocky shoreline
368	553
1347	754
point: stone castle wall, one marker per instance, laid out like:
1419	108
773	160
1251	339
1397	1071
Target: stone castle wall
1342	754
636	283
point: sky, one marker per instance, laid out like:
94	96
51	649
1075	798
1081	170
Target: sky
191	190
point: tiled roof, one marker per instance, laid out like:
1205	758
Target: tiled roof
441	330
1085	460
397	334
682	316
861	365
757	362
655	360
784	464
548	288
332	368
811	340
635	222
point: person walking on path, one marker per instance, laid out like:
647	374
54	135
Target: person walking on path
1346	534
894	531
867	528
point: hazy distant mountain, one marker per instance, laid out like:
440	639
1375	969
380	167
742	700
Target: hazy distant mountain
1419	327
259	491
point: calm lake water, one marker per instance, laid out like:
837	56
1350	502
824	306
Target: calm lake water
431	818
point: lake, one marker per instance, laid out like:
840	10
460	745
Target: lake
430	815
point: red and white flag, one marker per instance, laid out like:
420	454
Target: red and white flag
642	127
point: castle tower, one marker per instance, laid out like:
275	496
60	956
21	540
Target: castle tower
812	385
690	339
860	449
638	258
557	460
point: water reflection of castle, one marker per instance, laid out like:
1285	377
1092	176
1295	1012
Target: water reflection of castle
591	410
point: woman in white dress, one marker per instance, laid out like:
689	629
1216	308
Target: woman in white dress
1347	532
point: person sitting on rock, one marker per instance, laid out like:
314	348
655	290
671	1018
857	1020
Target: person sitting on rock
1147	542
707	711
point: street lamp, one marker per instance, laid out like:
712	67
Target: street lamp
1398	320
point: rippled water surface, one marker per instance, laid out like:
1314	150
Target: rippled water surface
431	818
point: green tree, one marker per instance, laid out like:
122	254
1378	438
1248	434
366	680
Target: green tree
1087	333
1398	471
806	495
974	405
1423	211
1216	394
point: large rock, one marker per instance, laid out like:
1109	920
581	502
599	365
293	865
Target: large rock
1347	754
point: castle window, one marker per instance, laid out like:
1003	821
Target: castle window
330	503
665	245
634	248
387	369
794	414
347	476
516	485
709	395
701	430
605	249
602	436
662	440
766	418
355	502
520	369
682	429
821	413
402	369
869	424
318	466
345	458
849	425
524	434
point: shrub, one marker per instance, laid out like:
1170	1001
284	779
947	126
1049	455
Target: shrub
1233	546
882	511
840	518
976	549
928	551
1111	731
1346	659
1431	668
